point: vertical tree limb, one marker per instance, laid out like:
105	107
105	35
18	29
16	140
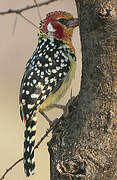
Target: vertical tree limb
84	145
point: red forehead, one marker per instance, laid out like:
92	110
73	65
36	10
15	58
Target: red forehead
53	16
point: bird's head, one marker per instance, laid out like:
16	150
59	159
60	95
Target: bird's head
60	24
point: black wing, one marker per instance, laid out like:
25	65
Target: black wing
45	72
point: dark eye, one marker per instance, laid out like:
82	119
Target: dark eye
63	21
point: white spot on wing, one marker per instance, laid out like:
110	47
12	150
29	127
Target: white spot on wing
27	92
38	101
34	128
40	54
44	97
38	71
54	71
29	77
23	91
55	55
28	149
23	101
34	81
46	65
32	138
42	73
28	83
57	68
28	138
28	160
60	74
46	80
30	106
49	59
40	85
34	95
49	88
43	91
46	56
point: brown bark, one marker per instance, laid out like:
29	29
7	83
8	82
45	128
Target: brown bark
84	145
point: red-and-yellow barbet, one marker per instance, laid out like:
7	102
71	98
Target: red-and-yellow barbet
48	75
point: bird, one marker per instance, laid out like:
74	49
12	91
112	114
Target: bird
47	76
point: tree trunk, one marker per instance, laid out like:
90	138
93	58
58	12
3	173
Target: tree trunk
84	144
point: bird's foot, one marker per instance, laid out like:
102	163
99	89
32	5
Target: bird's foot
65	108
51	123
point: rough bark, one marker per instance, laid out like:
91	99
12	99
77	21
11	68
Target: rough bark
84	144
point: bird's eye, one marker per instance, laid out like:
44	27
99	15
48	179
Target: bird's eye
63	21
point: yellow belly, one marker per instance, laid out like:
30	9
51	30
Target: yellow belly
54	98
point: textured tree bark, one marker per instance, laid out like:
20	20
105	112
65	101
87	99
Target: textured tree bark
84	144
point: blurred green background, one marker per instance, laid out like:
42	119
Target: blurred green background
15	50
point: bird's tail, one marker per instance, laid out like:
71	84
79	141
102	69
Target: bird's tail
29	143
